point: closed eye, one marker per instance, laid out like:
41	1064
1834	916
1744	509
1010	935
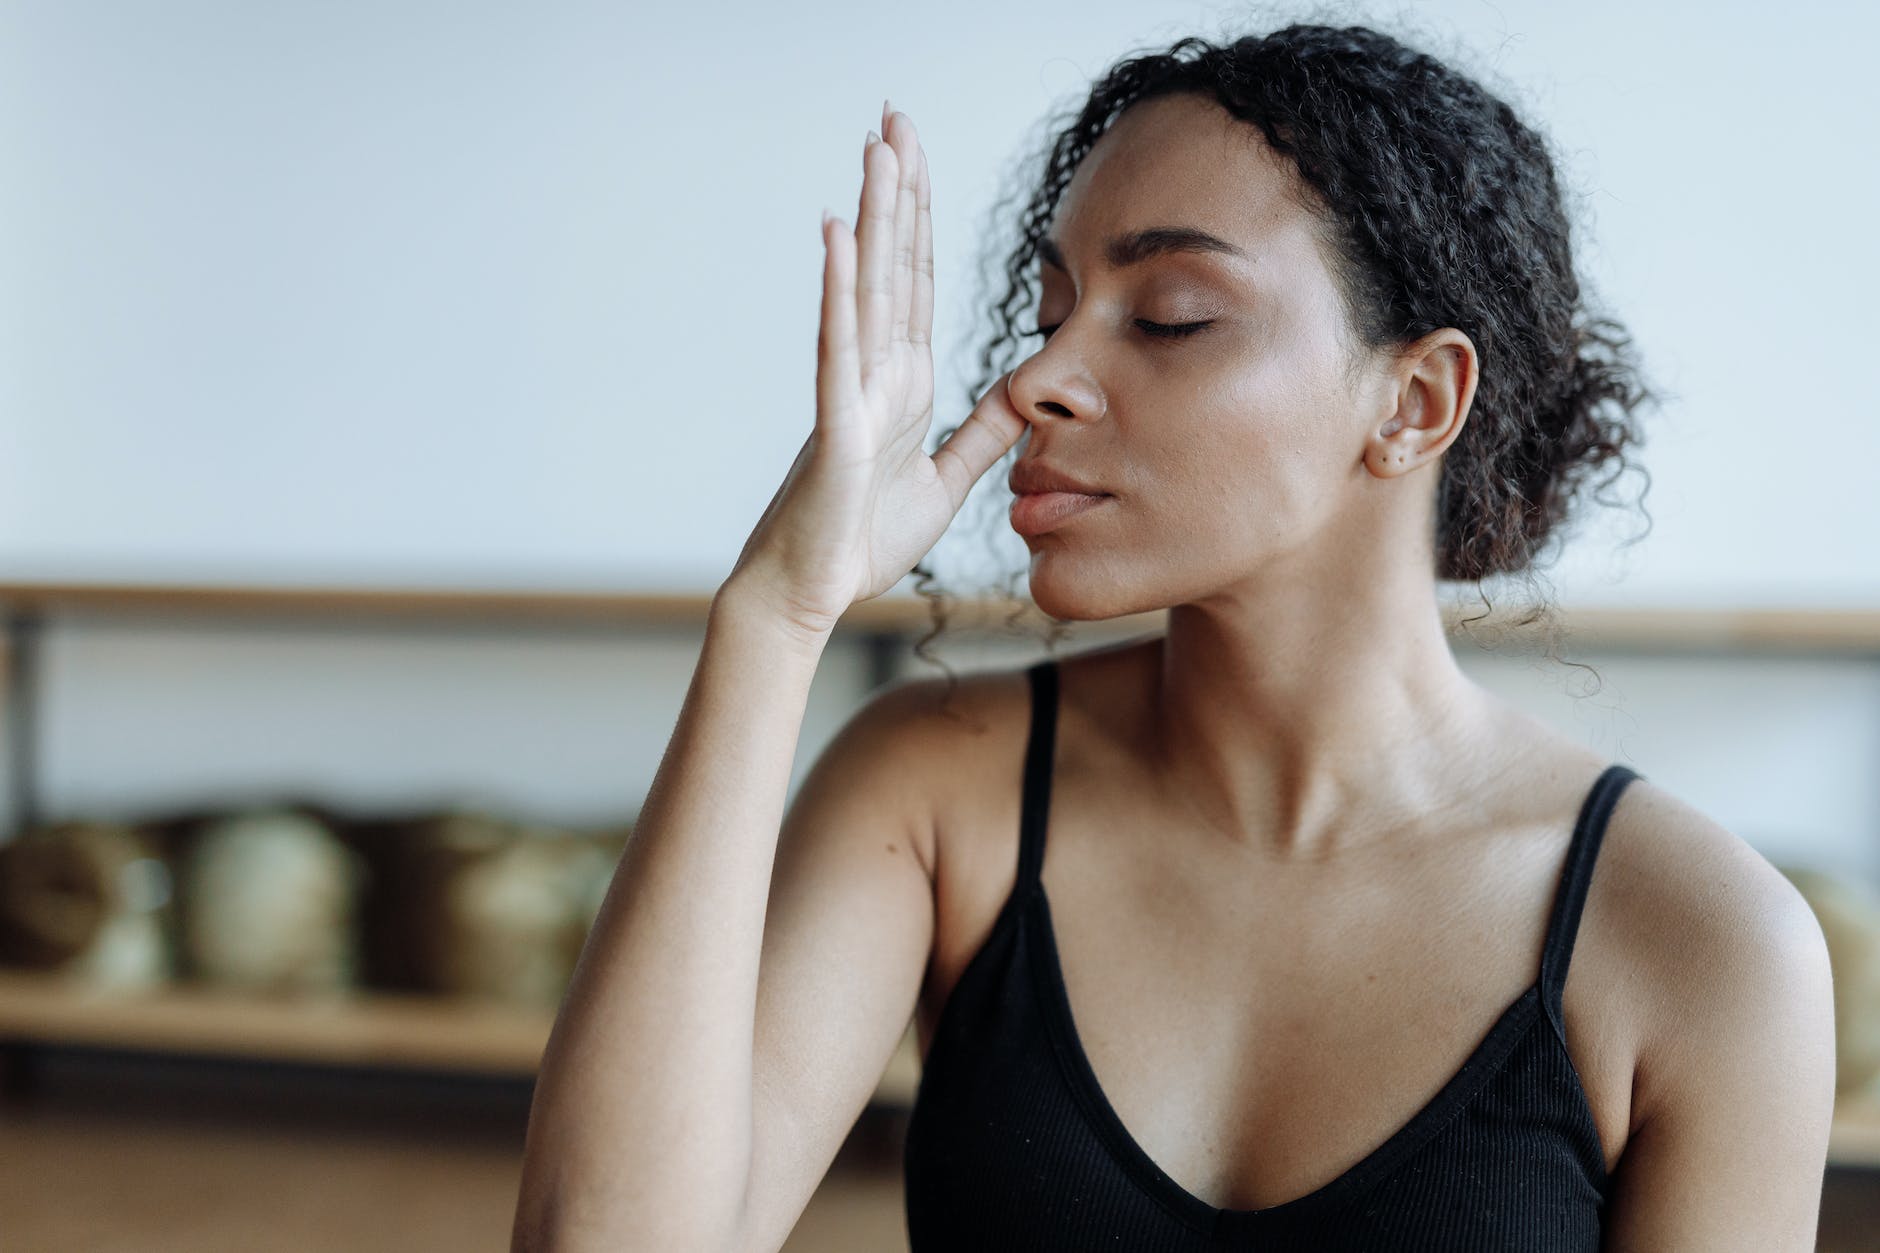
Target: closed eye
1160	330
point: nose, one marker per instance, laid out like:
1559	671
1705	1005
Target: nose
1052	386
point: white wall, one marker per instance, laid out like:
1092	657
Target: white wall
526	294
463	294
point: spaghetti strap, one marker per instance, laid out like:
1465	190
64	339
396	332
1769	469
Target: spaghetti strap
1040	750
1570	897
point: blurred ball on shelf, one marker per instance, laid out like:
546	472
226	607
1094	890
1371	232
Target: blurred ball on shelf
269	902
91	900
1849	913
475	905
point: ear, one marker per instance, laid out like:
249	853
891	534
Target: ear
1425	404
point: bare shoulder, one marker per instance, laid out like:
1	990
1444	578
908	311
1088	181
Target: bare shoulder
1708	907
1706	902
1734	1085
976	727
941	733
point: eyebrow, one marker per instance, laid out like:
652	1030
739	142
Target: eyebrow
1134	247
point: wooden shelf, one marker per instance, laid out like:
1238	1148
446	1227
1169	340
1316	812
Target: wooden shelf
368	1029
1853	631
377	1029
680	610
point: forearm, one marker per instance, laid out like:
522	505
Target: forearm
640	1131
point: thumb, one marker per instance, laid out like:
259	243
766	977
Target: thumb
989	431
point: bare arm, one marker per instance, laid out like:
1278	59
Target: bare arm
640	1130
1737	1093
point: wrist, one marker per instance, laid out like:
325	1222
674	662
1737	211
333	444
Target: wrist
750	605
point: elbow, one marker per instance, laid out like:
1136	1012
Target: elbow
542	1227
538	1228
577	1197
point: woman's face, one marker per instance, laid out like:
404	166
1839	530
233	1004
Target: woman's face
1235	452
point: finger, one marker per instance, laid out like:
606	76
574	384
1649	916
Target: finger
987	434
838	380
920	325
874	235
907	177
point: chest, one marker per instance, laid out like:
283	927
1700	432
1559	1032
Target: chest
1259	1033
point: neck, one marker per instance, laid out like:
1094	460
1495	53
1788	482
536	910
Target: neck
1314	726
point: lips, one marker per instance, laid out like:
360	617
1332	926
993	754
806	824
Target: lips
1030	477
1034	513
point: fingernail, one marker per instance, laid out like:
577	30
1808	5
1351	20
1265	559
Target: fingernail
872	139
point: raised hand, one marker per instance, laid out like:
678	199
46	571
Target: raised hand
864	501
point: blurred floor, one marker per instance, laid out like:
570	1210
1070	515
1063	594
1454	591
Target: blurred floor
126	1155
123	1155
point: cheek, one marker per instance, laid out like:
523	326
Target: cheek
1290	405
1219	481
1247	454
1244	467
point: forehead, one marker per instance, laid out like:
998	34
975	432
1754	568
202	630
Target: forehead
1184	160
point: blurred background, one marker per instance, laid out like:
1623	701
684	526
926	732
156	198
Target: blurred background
385	388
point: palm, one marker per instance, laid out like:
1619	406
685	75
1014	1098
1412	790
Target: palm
864	500
881	397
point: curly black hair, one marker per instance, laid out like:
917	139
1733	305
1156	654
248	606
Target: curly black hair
1438	208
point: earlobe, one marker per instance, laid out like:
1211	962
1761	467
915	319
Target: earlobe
1385	457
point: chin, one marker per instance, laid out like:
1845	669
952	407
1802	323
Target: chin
1071	595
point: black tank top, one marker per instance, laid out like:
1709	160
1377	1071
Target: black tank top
1013	1145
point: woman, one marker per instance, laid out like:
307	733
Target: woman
1312	340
